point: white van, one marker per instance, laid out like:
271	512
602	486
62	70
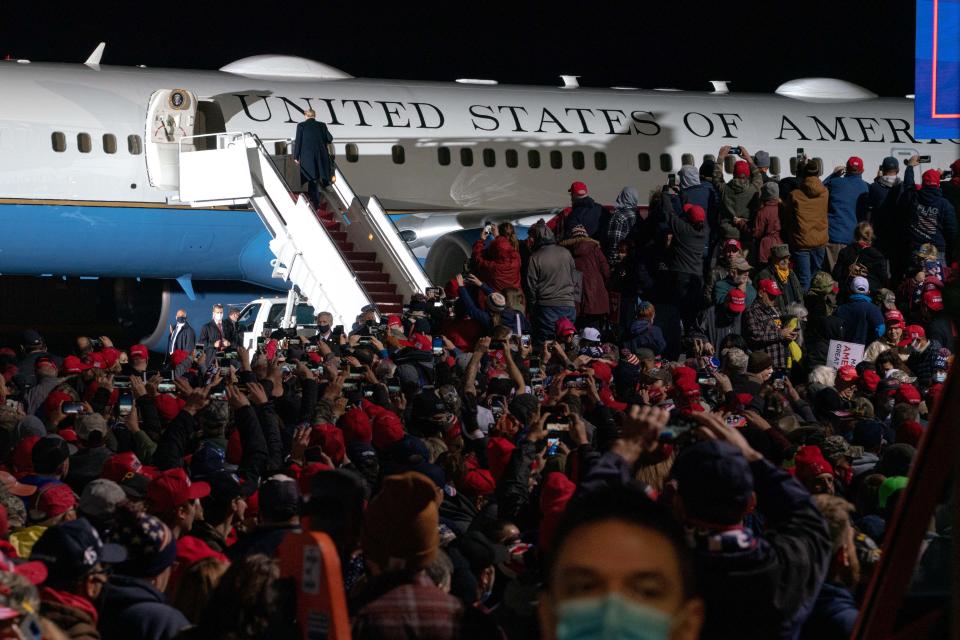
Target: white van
268	313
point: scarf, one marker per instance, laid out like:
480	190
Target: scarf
49	594
782	274
888	181
735	539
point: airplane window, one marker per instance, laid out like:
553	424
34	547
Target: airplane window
512	158
59	141
686	158
134	145
109	143
399	155
600	160
666	162
353	152
775	165
578	162
793	165
83	142
644	160
489	157
466	157
533	159
556	159
728	163
820	165
443	156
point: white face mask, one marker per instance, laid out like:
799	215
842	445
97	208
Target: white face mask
217	317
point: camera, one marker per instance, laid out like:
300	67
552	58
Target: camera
672	180
496	345
924	159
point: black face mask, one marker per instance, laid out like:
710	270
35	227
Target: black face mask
181	319
323	328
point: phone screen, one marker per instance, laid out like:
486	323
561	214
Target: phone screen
124	405
72	407
438	346
553	445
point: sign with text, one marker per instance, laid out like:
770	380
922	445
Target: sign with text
937	69
841	353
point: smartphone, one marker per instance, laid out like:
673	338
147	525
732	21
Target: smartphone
575	382
678	429
166	387
434	292
777	378
71	407
713	365
496	345
707	381
199	348
672	179
534	365
924	159
735	420
438	346
557	423
124	405
121	384
525	340
734	151
800	153
553	446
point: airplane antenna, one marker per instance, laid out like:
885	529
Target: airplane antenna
570	82
720	86
94	59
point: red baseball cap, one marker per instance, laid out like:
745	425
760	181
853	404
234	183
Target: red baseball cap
893	317
121	465
736	300
394	321
173	488
178	356
933	300
847	373
96	360
732	242
769	287
870	380
695	212
854	164
45	361
578	189
74	365
931	178
916	331
139	351
53	499
909	394
110	356
565	327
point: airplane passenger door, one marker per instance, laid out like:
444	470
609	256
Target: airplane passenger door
171	115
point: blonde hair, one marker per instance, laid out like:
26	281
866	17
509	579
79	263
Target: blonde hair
309	113
864	232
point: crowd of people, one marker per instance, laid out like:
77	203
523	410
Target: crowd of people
625	425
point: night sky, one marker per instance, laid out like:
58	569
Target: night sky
642	43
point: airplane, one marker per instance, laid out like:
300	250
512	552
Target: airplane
89	177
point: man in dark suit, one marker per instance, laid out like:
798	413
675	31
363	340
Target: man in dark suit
182	335
216	335
310	152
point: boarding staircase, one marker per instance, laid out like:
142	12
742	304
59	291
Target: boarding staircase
342	256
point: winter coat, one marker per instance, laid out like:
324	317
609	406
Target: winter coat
688	242
717	322
862	320
735	198
931	217
847	205
805	215
134	608
766	230
644	335
704	195
508	317
584	212
498	265
871	259
550	277
310	150
589	260
792	291
621	222
722	288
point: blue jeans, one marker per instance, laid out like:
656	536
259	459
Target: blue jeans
807	262
545	321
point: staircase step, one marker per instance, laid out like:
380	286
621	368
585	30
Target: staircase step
390	308
360	256
344	246
386	298
338	236
372	276
377	288
365	265
331	225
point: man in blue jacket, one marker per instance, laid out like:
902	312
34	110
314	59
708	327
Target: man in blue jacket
862	320
930	216
847	206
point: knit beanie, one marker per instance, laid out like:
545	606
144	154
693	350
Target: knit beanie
401	531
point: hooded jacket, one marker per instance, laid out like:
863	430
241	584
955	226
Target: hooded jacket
862	320
645	335
847	205
550	272
584	212
735	197
590	262
766	230
497	265
806	215
134	608
931	217
689	242
621	222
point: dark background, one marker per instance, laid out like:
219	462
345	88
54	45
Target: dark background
642	43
